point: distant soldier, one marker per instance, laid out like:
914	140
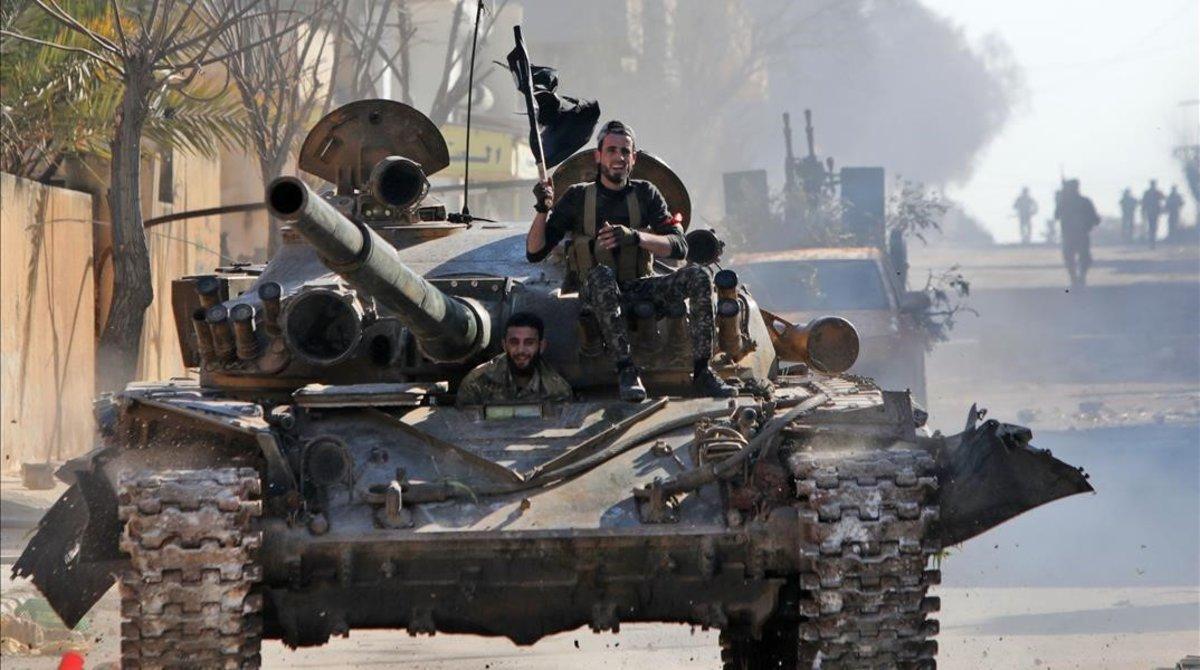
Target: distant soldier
1026	207
1174	205
1128	210
1152	204
519	374
1078	216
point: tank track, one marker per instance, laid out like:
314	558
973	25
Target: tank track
865	603
187	599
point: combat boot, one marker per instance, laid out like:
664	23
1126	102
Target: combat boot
630	384
707	383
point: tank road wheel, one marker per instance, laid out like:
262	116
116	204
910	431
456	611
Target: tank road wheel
187	599
867	601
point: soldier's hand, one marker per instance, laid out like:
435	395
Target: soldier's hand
543	192
610	236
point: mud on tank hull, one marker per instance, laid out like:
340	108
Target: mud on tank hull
805	526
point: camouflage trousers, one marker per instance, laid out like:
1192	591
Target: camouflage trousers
602	294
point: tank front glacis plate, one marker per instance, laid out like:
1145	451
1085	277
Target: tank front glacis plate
475	455
574	553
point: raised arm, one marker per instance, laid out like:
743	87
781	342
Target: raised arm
546	229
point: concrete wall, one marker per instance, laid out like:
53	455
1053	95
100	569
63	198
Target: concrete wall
188	247
244	235
47	343
53	300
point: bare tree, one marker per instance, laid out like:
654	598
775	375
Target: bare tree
711	92
365	54
363	51
155	46
453	86
278	74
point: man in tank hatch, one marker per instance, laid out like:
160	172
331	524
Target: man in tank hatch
519	374
618	226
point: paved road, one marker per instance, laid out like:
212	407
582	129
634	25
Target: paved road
1108	377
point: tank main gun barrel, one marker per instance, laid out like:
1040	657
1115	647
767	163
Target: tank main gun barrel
448	329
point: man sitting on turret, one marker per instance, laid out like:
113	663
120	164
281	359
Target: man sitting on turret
519	374
619	225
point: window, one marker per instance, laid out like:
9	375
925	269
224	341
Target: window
817	285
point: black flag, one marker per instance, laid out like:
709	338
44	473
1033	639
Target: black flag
565	123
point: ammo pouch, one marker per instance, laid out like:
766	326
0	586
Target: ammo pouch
629	262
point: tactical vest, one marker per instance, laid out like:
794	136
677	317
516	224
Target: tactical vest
630	263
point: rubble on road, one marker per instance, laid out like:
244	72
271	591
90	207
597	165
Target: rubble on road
24	632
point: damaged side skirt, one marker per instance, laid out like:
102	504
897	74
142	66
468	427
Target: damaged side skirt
990	473
73	558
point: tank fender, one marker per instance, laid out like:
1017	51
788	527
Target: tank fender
236	418
73	556
990	473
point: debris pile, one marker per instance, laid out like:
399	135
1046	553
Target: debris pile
29	627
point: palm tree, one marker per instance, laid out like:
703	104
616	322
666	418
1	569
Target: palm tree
152	53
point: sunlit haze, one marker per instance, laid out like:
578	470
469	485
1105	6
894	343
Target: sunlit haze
1107	92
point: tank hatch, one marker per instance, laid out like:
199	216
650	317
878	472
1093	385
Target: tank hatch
346	145
582	167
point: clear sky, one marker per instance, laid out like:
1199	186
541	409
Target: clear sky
1104	85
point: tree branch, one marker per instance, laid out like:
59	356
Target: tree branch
64	47
164	40
120	28
225	55
60	15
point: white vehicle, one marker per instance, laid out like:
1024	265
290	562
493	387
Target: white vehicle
858	284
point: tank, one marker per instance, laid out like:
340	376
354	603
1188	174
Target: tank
315	477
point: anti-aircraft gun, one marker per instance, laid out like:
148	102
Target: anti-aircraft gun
317	477
807	179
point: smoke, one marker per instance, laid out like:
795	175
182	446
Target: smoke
704	84
894	84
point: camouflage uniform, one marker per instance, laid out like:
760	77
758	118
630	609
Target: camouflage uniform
640	206
602	294
492	382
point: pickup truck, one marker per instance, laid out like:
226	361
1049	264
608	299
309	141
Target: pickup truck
857	283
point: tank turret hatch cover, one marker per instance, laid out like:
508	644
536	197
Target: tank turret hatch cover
347	143
582	167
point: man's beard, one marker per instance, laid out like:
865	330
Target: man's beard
620	179
527	370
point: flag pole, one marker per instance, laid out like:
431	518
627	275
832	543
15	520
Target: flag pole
526	76
466	210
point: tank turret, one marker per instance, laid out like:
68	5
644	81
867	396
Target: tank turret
447	328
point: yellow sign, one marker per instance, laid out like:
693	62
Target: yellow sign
495	155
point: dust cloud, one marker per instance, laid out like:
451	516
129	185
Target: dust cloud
705	84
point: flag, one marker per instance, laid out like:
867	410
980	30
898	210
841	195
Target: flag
564	123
